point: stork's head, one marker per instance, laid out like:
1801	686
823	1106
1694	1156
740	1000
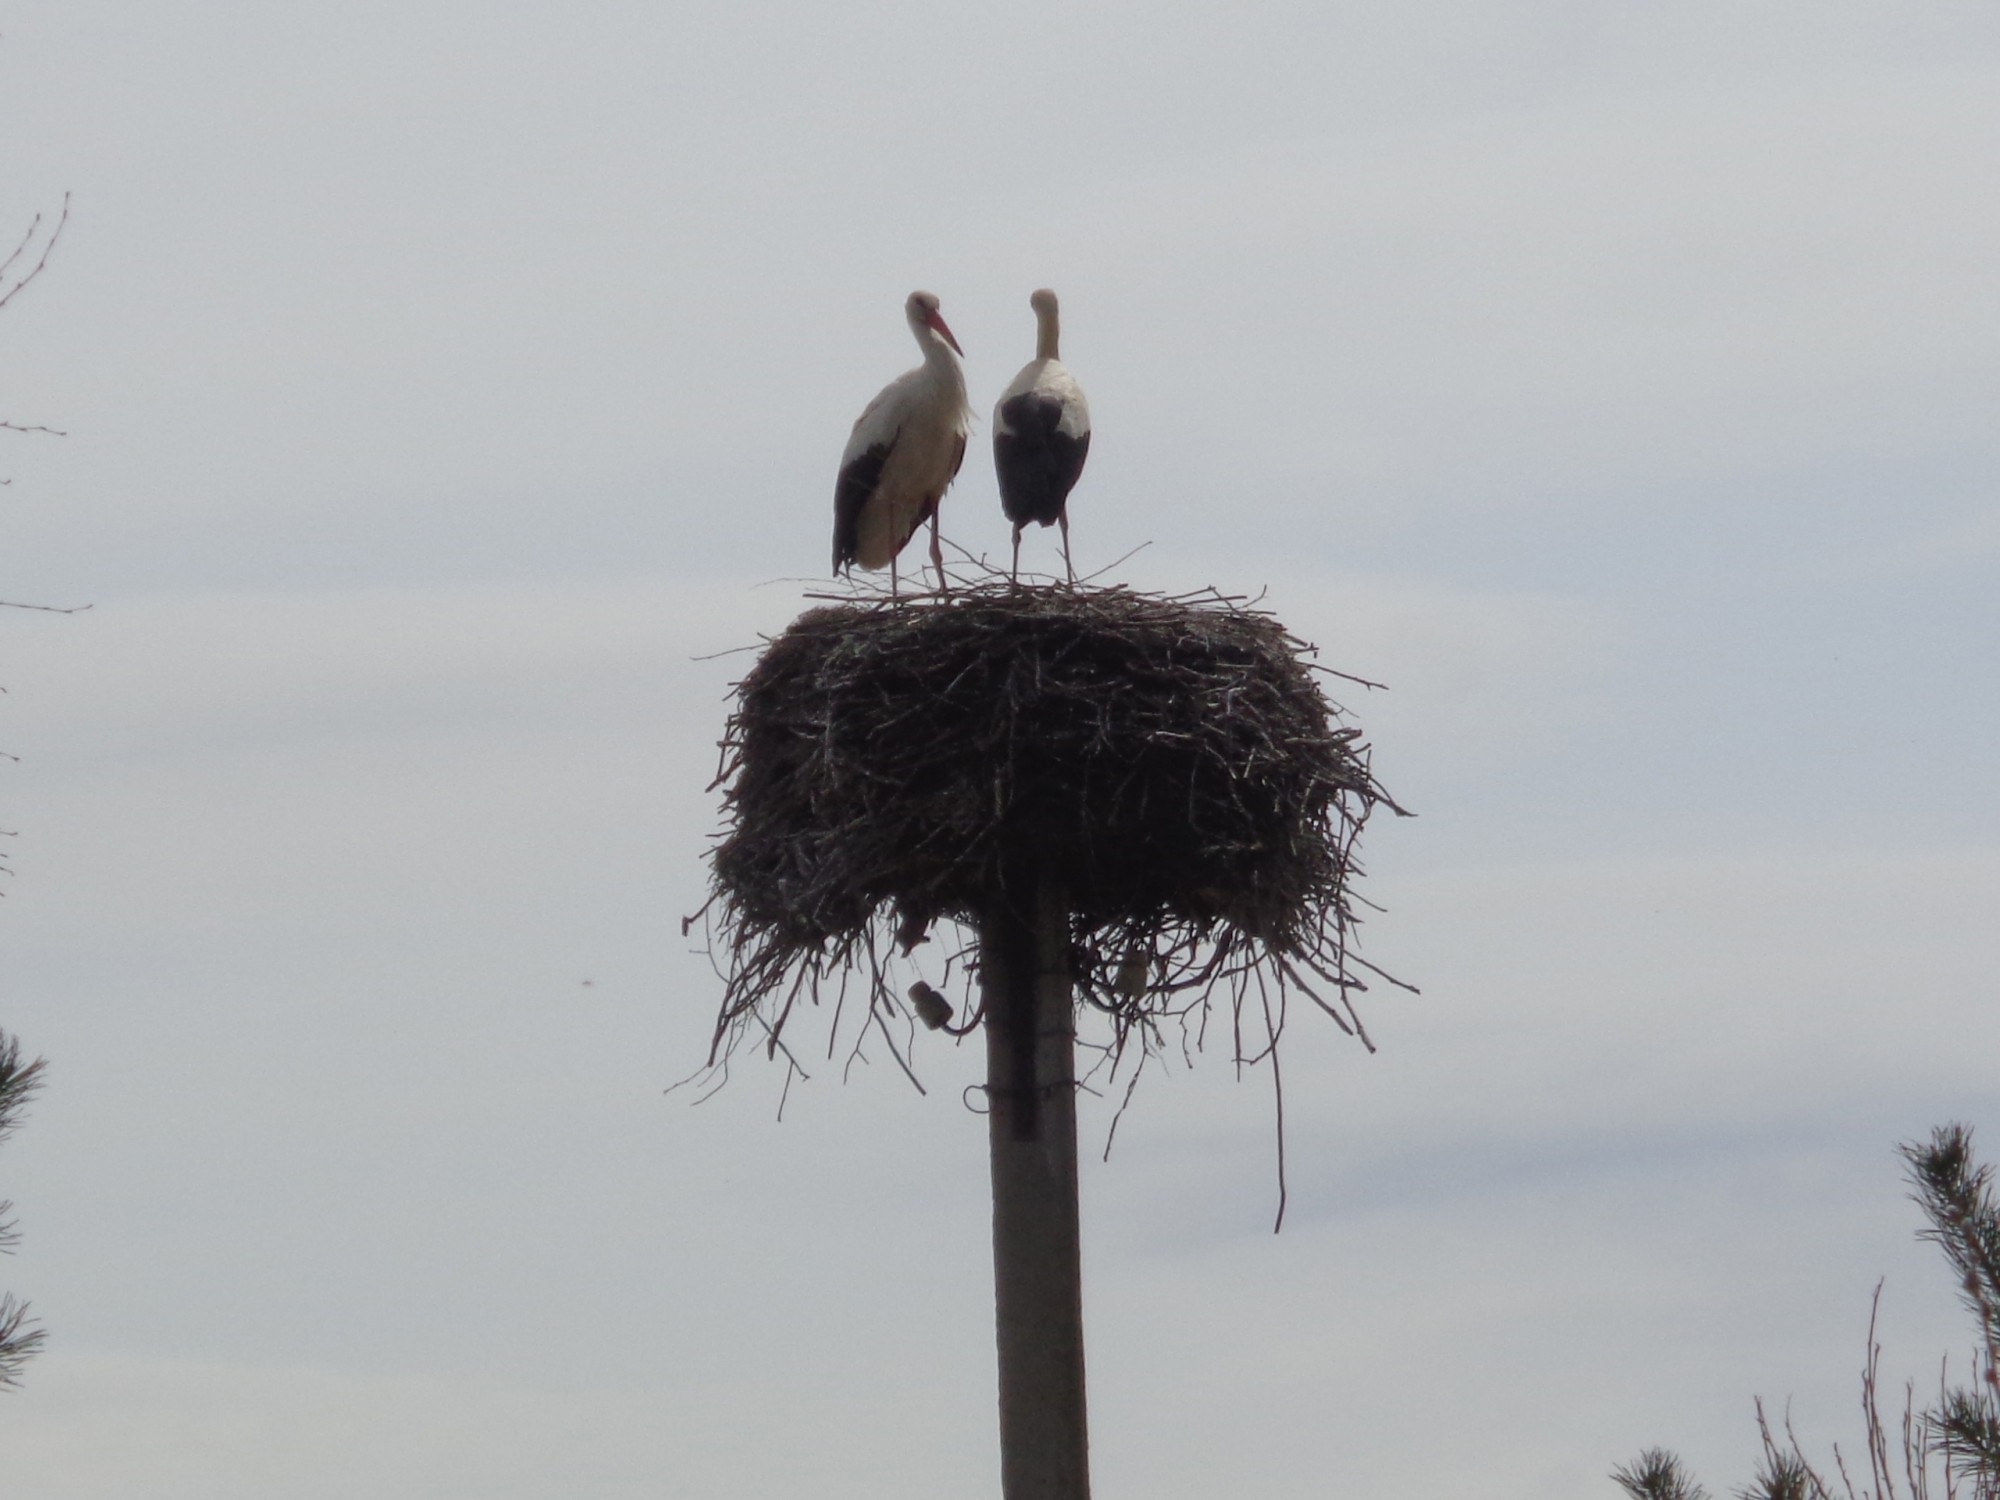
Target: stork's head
1043	302
922	311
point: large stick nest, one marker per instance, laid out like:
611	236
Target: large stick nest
1171	761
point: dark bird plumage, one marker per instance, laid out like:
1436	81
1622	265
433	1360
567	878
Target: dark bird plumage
1041	435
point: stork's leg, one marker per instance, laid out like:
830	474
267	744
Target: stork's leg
1062	520
892	576
937	551
1014	571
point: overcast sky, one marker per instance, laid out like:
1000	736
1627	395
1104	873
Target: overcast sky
447	383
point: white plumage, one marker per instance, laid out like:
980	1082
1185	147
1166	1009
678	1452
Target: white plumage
904	452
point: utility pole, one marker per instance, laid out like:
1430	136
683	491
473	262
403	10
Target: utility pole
1031	1129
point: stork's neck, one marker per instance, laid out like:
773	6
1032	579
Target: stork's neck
1048	330
939	360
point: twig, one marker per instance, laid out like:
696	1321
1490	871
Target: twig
48	245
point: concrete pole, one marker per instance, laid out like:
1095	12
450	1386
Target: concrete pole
1037	1259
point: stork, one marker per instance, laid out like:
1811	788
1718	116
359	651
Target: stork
904	452
1041	432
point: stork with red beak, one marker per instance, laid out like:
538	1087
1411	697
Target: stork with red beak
904	453
1041	432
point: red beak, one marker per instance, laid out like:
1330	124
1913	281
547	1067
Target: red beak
936	320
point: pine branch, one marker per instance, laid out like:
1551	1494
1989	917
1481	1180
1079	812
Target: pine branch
1965	1428
20	1339
18	1083
1658	1475
1956	1195
1784	1473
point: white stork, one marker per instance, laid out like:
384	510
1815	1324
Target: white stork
1041	432
904	453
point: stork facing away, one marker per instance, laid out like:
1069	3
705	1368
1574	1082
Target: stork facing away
1041	432
903	454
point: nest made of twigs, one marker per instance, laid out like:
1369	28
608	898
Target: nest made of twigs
1172	762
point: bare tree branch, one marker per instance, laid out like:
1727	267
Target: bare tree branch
27	240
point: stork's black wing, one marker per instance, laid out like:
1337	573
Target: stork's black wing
858	479
1037	462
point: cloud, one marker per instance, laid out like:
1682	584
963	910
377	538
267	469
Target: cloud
1595	293
430	397
1968	538
189	1429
